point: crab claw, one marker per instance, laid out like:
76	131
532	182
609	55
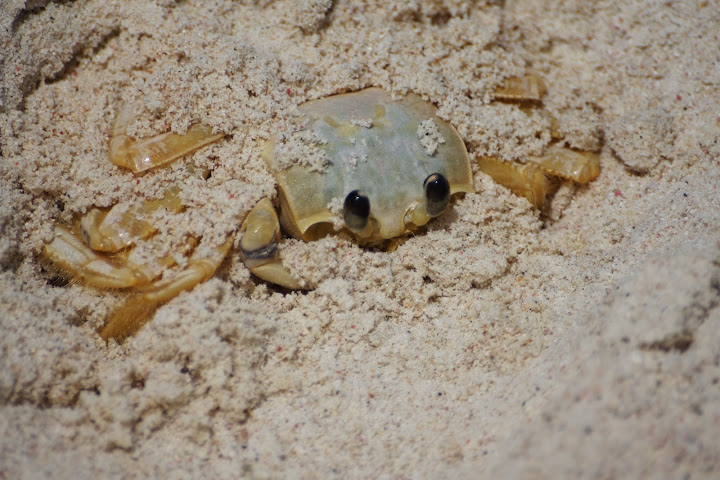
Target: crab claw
260	237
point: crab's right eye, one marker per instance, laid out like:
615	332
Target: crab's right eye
356	210
437	194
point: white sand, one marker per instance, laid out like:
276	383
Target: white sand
492	345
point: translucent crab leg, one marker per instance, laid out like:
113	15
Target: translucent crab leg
580	167
526	88
117	228
530	180
72	256
129	318
525	180
146	153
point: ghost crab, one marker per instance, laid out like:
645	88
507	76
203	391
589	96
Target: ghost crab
391	165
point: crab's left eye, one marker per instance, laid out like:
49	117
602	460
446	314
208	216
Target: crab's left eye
437	194
356	210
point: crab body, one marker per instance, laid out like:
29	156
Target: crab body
385	167
382	147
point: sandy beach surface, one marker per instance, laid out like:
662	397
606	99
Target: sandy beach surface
498	342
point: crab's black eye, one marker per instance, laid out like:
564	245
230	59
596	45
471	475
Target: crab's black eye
356	210
437	193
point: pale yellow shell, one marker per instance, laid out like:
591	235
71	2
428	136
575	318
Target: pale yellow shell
377	145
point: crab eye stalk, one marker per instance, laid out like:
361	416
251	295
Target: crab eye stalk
356	210
437	194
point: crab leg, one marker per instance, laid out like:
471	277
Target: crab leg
530	180
146	153
526	88
261	234
71	255
580	167
129	318
118	228
527	180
